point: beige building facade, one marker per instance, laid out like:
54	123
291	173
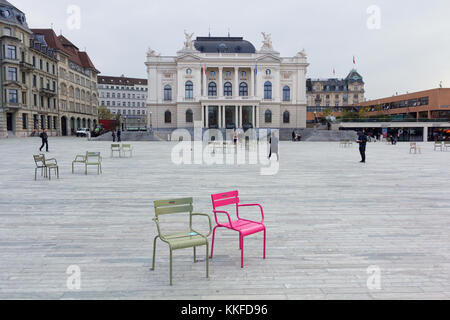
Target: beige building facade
225	83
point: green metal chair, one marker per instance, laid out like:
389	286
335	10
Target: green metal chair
127	148
180	240
90	159
46	165
93	159
115	148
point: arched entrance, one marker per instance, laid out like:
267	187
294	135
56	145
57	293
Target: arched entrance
63	126
72	126
78	124
84	123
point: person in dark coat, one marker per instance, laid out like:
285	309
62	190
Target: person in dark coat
362	140
44	138
114	136
118	135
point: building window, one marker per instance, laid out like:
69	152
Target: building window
189	116
13	96
189	71
228	89
24	121
167	93
168	117
243	89
12	53
212	89
243	74
212	73
286	93
268	90
7	32
268	116
268	72
12	74
189	88
286	117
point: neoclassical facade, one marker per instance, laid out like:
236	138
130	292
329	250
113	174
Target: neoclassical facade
225	83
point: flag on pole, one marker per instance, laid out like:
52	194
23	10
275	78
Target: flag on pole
256	69
334	72
204	68
354	60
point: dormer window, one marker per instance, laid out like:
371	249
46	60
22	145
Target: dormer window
188	71
268	72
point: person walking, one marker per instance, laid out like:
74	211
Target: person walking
274	146
44	138
362	140
114	135
118	135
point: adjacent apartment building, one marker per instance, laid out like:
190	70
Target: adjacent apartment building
46	82
335	94
123	95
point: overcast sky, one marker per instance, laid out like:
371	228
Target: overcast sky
410	51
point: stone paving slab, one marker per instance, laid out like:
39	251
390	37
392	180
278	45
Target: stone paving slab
328	217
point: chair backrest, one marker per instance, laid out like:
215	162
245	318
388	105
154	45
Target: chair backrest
114	146
95	155
171	206
413	144
225	199
126	146
39	160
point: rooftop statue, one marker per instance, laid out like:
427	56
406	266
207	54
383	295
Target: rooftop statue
267	42
189	43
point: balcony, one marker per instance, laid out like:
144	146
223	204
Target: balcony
47	92
26	66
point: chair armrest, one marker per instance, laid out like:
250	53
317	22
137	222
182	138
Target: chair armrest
159	229
83	158
52	159
254	205
209	220
228	215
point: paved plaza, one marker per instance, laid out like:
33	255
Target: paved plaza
329	218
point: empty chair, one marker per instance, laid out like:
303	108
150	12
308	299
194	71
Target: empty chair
115	148
438	145
181	240
90	159
46	165
126	148
243	226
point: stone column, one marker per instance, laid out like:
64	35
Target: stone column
240	117
252	82
203	115
425	134
207	117
219	111
205	73
220	89
236	83
236	116
257	116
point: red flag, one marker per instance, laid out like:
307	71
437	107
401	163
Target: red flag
354	60
205	69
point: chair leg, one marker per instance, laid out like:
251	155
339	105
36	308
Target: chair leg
207	259
35	174
171	258
195	254
264	244
212	244
154	252
242	251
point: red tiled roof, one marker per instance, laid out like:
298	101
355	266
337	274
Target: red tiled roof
61	43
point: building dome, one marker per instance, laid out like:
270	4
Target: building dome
223	44
9	14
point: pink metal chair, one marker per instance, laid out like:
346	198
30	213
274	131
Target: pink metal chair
243	226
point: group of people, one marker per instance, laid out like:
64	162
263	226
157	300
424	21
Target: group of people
118	135
296	137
